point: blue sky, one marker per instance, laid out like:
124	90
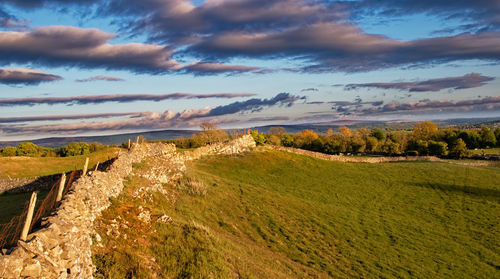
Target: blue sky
260	62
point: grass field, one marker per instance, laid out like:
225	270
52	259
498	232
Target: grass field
14	167
486	151
279	215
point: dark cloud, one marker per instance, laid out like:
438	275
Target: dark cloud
310	90
156	120
462	82
121	98
16	76
31	4
255	104
96	78
63	117
315	103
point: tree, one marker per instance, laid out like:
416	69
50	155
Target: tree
497	135
9	151
277	130
488	138
27	149
273	139
211	133
378	134
287	140
372	144
425	130
75	149
438	148
259	138
345	132
459	149
305	138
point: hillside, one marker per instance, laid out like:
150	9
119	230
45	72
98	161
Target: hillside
272	214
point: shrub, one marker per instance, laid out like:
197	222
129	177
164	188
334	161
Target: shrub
438	148
459	149
75	149
9	151
287	140
27	149
259	138
412	153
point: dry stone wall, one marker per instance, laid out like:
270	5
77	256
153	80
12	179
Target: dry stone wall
352	159
62	248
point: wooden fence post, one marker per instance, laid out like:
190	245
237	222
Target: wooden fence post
61	188
137	140
128	144
96	166
29	217
85	167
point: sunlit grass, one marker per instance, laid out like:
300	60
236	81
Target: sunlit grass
15	167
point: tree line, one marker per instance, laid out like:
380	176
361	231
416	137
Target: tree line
424	139
32	150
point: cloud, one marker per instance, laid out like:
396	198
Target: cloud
483	14
471	80
96	78
85	48
255	104
310	90
421	106
320	34
64	117
156	120
16	76
342	46
270	118
121	98
488	103
181	22
207	68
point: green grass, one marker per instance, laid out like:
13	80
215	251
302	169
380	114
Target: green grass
284	215
15	167
279	215
13	204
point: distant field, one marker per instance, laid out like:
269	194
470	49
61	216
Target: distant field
15	167
280	215
494	151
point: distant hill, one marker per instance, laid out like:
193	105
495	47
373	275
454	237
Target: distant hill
320	127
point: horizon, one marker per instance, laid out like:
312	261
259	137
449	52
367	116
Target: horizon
103	67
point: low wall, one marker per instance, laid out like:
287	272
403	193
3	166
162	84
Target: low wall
62	249
353	159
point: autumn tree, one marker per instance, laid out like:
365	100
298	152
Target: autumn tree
425	130
211	133
278	130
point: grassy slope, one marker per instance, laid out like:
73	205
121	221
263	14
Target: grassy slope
15	167
279	215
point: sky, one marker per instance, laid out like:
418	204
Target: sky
97	67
